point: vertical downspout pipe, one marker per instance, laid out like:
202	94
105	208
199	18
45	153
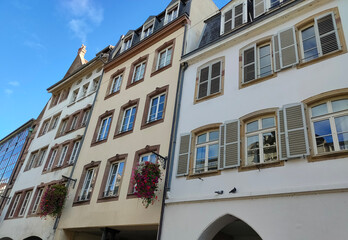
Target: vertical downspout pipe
171	151
83	138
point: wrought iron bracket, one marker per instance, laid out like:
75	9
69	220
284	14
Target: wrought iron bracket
70	179
162	159
5	197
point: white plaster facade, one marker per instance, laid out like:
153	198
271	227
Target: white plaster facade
27	226
299	200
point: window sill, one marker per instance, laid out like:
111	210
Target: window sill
203	174
135	83
111	94
95	143
160	70
70	104
121	134
150	124
261	166
80	203
131	196
321	58
257	80
328	156
107	199
208	97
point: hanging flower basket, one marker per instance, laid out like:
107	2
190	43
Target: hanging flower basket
52	201
146	177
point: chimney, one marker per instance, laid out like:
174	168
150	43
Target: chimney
82	51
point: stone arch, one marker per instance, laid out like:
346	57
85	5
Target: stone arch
32	238
226	226
6	238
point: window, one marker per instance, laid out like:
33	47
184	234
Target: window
319	38
148	157
147	29
45	127
62	156
24	204
87	185
85	117
84	90
73	122
209	82
127	43
52	158
14	206
165	58
37	201
114	179
156	108
41	157
104	129
74	95
128	119
116	84
257	62
95	84
54	122
329	123
32	160
74	152
171	13
234	16
206	152
63	127
260	141
139	71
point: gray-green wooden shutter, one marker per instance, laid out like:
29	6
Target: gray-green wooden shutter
276	54
259	8
328	36
227	21
222	147
281	136
249	64
288	48
232	144
184	154
295	130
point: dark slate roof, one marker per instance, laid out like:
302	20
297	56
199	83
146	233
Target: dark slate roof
129	33
185	7
212	30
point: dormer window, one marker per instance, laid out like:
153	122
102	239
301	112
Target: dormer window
147	29
171	13
234	16
261	6
127	43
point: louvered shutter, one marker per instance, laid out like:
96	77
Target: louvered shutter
203	82
276	55
238	15
227	21
249	64
295	130
222	147
259	8
184	155
232	144
328	36
288	48
281	136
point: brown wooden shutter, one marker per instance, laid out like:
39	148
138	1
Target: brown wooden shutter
276	55
249	64
288	48
232	144
328	36
184	155
222	147
259	8
281	136
295	130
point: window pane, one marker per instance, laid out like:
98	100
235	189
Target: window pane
204	74
253	126
322	128
215	69
203	88
215	85
213	136
153	158
342	124
144	159
253	150
268	122
269	146
265	61
343	141
309	44
323	136
340	105
202	138
200	159
213	156
319	110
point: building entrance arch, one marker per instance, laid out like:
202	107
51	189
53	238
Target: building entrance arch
32	238
229	227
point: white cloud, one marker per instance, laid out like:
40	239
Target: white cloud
14	83
8	91
85	14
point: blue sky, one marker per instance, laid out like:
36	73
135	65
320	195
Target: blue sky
40	38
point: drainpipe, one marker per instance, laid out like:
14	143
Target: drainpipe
82	140
172	144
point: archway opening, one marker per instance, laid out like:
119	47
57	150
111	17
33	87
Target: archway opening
33	238
229	228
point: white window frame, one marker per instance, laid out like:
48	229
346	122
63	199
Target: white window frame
84	90
117	81
53	156
165	58
86	187
168	17
55	122
94	85
147	29
123	118
260	133
114	183
206	144
63	155
24	204
140	65
210	65
74	95
14	206
45	127
74	152
37	201
85	117
42	155
127	42
232	7
74	122
63	127
101	131
157	107
331	117
32	160
258	74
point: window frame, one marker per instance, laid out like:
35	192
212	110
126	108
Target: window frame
14	206
166	56
74	152
232	8
41	156
74	95
131	109
97	129
52	158
123	108
127	42
169	44
169	10
139	66
138	62
63	154
24	204
37	200
157	107
103	131
118	79
149	25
